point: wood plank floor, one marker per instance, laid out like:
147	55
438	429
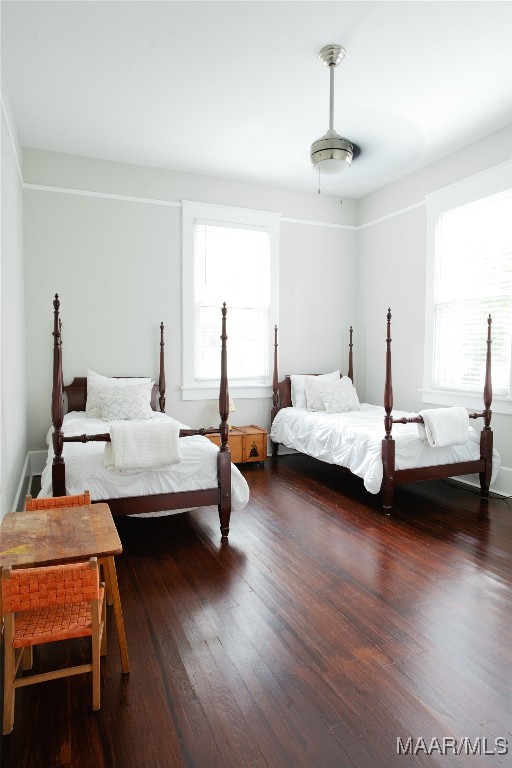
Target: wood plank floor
321	633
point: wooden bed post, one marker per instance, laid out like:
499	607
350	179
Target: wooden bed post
350	365
58	467
275	394
275	385
161	378
388	444
486	436
224	455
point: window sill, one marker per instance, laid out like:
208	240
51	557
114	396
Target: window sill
466	399
206	392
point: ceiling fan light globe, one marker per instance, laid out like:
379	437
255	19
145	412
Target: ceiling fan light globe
330	166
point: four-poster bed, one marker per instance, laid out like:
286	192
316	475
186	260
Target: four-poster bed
186	485
352	440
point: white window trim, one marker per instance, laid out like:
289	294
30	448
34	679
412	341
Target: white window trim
489	182
223	214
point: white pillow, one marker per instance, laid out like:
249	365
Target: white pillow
98	385
340	396
298	386
313	389
123	404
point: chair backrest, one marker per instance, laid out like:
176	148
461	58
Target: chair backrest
79	500
25	589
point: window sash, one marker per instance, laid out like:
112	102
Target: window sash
460	347
248	332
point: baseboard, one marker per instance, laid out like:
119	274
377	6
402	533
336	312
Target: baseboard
502	486
22	485
34	465
37	461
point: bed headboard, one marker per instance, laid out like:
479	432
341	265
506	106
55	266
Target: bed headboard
77	391
282	390
77	394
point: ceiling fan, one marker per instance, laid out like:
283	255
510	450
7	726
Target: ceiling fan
331	153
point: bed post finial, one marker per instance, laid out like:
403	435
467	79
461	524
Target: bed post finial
350	359
161	378
57	408
388	386
224	392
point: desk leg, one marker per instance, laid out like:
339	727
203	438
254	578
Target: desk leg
116	600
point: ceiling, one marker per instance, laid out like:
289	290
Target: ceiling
236	89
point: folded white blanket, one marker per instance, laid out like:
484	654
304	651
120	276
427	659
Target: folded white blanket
445	426
151	444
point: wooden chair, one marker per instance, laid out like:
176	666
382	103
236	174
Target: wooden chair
78	500
41	605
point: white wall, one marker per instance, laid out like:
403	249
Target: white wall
13	362
392	269
116	264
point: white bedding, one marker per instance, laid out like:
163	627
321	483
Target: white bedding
354	440
85	469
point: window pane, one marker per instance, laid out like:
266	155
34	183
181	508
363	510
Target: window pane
232	264
474	245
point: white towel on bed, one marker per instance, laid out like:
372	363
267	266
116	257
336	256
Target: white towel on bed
149	445
444	426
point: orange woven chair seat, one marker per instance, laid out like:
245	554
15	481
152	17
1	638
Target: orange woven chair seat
56	622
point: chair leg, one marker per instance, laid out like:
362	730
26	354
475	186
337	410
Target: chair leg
27	659
95	641
103	646
106	579
9	672
95	674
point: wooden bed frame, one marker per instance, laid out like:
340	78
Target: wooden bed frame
77	397
392	476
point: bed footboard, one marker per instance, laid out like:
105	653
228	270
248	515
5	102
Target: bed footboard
391	477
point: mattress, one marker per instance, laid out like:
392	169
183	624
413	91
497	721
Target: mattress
85	469
354	440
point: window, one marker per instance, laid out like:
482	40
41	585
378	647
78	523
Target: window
469	277
229	255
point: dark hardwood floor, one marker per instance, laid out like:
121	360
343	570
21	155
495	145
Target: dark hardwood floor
319	635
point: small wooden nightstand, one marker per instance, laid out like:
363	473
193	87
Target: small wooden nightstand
245	443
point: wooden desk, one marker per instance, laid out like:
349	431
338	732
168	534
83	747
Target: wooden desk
65	535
